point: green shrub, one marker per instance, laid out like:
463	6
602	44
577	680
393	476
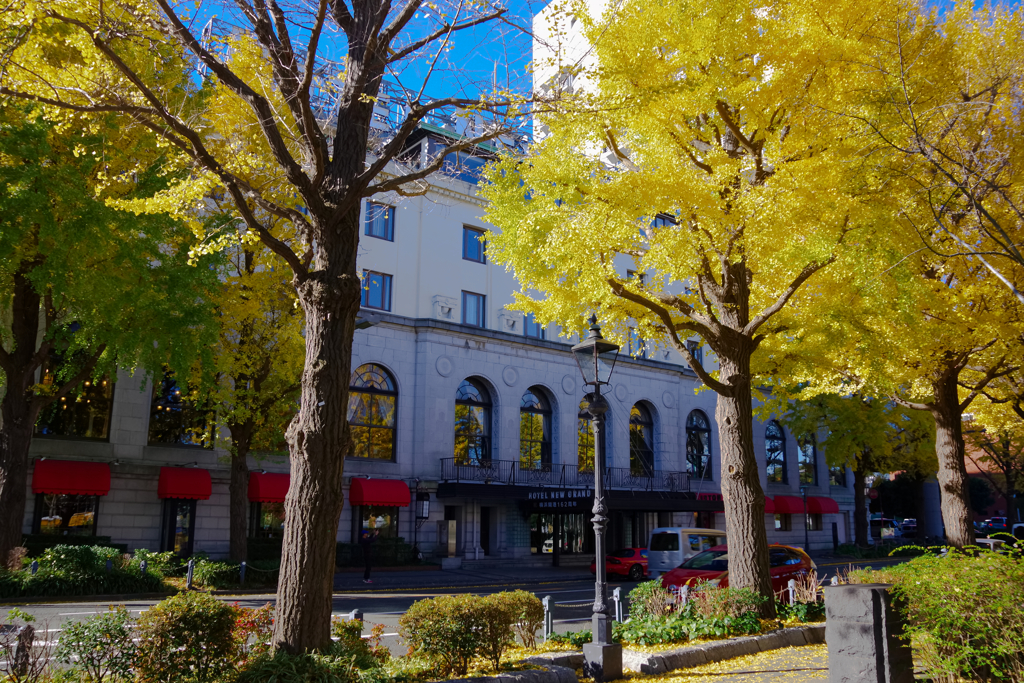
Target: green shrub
445	629
711	602
36	544
498	616
804	612
101	647
653	631
281	667
364	653
649	600
185	636
10	583
162	564
215	574
573	638
965	613
529	611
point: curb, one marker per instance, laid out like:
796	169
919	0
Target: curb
561	667
70	599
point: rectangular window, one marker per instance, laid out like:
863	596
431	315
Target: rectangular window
533	328
178	417
179	526
813	522
376	291
378	519
808	461
783	522
637	345
473	244
380	221
266	520
473	312
696	350
837	476
84	413
65	515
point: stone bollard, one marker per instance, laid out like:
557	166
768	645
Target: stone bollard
188	574
864	632
35	567
617	599
143	566
355	615
548	621
23	655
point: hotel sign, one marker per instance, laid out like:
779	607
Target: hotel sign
561	500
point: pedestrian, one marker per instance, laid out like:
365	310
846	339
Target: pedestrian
368	538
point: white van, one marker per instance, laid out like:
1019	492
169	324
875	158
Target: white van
670	546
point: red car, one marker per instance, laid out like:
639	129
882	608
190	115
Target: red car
712	566
631	562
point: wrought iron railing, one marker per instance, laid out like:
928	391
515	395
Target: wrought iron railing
514	472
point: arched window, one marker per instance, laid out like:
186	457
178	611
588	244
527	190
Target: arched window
585	437
775	453
372	403
641	441
698	444
534	431
807	458
472	423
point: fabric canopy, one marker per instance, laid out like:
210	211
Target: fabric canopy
820	505
384	492
769	506
268	487
184	482
71	477
789	505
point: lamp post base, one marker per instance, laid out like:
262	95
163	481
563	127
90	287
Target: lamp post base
602	662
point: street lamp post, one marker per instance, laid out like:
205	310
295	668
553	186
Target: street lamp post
596	359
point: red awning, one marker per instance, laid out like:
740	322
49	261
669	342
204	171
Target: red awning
789	505
71	477
268	487
769	506
184	482
385	492
820	505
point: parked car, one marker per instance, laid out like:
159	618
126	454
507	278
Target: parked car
909	528
786	563
670	546
1018	531
631	562
997	525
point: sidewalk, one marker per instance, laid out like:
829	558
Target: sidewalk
503	575
790	665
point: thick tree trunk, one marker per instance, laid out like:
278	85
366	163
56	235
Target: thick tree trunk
860	509
239	499
949	448
741	484
15	439
318	440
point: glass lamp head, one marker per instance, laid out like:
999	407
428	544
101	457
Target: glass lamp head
595	356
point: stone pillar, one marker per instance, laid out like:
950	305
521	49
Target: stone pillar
864	632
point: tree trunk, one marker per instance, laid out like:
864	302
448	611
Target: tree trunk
860	509
949	448
15	439
239	497
318	439
741	484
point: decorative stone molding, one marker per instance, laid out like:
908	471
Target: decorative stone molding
510	376
444	366
510	322
445	308
569	384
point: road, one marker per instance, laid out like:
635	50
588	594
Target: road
572	601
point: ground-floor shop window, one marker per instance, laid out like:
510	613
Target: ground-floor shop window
379	518
813	522
573	533
65	515
179	526
705	520
783	522
266	520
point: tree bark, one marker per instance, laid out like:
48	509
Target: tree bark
239	497
319	440
860	509
741	485
950	450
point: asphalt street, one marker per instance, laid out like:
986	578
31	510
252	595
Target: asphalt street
571	591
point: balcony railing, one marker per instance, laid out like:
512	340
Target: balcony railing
514	472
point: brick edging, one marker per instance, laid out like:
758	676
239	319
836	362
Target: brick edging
561	667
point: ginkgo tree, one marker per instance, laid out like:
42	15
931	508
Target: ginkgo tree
84	288
306	84
701	152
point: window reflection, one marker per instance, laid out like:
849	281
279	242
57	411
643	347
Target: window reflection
472	423
372	402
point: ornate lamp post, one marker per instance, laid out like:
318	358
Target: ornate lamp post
596	358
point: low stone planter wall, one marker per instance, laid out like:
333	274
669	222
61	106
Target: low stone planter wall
560	667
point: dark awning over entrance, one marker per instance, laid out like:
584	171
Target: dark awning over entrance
184	482
71	477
